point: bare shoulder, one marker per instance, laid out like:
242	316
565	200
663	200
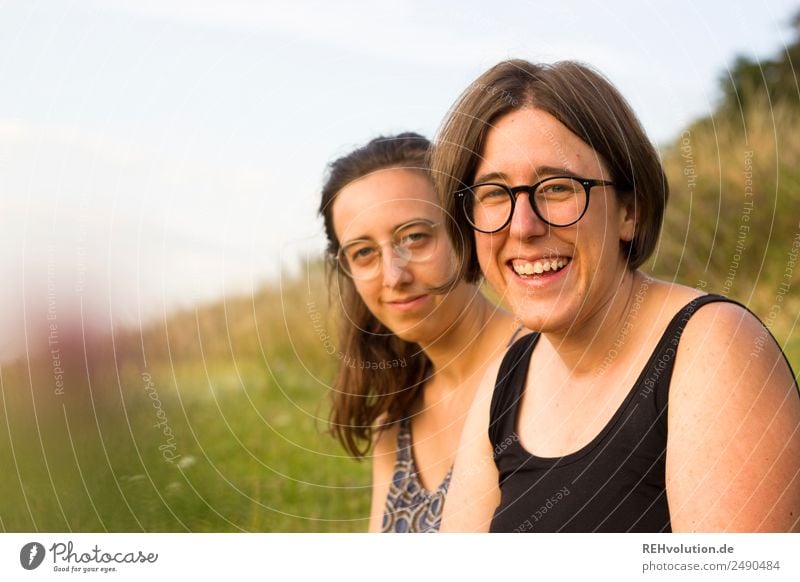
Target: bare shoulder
724	316
489	379
501	330
719	329
734	413
726	338
474	492
663	299
727	351
385	441
475	432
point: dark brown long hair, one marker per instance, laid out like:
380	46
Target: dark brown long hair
589	106
379	374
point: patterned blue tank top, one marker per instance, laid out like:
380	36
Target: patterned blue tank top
410	508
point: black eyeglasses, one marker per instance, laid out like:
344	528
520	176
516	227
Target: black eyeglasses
558	201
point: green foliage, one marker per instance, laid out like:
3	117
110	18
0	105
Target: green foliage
775	79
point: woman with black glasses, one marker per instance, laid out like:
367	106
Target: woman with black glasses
637	404
413	345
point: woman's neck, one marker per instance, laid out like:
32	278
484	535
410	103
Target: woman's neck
470	342
585	347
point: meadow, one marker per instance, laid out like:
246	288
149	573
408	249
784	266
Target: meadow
214	419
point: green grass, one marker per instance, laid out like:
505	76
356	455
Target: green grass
246	433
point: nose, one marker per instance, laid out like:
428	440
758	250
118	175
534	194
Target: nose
524	222
395	267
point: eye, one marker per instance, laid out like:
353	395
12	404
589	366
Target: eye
559	186
489	194
360	254
415	236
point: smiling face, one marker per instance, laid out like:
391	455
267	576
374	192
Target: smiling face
371	210
552	278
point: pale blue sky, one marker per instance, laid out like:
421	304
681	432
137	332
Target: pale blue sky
159	153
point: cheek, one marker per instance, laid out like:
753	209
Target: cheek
439	269
486	250
366	290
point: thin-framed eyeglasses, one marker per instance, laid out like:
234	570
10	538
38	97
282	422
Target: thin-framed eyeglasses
558	201
411	242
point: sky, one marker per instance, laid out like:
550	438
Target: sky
159	154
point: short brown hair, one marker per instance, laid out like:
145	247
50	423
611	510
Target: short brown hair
589	106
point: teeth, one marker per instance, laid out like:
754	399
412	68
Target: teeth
540	266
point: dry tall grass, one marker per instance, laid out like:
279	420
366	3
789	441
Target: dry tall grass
733	220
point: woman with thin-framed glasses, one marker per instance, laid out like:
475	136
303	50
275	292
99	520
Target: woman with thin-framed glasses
636	404
413	344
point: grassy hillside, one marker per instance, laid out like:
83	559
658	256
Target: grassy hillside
211	421
733	221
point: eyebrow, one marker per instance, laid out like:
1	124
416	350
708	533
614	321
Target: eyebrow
540	171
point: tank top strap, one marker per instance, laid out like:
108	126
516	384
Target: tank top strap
514	335
508	388
680	319
404	441
662	361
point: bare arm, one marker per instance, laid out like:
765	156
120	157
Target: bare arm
474	490
384	454
733	450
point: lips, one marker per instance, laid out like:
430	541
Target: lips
407	303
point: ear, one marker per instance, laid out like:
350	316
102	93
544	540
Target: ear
627	217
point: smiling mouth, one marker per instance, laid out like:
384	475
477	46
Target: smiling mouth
525	268
406	301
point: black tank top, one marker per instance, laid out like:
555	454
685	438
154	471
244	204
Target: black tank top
616	483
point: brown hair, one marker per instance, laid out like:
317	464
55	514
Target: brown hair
589	106
363	394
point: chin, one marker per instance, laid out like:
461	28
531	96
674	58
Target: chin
412	336
544	316
405	330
